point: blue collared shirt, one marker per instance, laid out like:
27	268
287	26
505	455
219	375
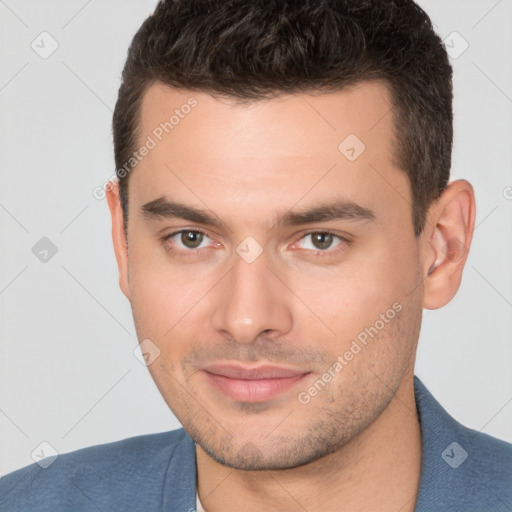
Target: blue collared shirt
462	470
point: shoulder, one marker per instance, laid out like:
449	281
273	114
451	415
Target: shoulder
123	475
488	473
462	468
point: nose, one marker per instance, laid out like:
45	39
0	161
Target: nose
252	300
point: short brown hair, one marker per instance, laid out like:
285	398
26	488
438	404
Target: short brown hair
256	49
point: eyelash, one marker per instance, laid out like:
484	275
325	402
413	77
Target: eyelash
318	253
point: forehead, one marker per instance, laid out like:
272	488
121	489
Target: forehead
283	150
303	119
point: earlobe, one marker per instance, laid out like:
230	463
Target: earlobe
118	235
448	239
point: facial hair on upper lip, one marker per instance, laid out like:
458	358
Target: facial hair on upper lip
267	352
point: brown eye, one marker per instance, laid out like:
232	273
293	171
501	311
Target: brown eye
191	239
322	241
186	242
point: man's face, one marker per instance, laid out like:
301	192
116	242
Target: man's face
265	289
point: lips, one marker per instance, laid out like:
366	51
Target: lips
252	384
257	373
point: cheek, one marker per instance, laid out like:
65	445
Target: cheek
349	300
355	292
164	295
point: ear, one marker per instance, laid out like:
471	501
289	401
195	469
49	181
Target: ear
448	236
118	235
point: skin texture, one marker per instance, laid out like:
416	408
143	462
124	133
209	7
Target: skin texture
356	445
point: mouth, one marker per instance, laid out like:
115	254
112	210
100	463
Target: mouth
252	384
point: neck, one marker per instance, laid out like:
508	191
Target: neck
379	470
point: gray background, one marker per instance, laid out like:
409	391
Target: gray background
68	374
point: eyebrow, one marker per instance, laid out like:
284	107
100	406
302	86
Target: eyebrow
162	208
